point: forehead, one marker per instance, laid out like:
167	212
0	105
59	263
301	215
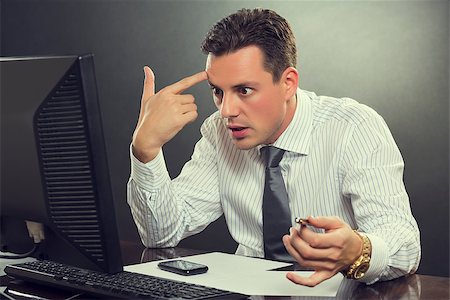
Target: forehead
233	68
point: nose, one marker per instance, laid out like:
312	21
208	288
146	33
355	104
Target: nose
229	107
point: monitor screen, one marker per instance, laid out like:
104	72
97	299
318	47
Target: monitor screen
53	161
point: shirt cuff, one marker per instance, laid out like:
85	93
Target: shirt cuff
149	176
378	260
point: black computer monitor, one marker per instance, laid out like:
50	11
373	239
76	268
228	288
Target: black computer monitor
54	166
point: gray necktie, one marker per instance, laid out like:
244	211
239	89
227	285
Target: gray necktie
276	212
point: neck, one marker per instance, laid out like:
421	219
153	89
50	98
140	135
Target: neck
291	106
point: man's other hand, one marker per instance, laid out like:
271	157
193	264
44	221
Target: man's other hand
326	253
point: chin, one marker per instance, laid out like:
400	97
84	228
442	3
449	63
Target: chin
244	144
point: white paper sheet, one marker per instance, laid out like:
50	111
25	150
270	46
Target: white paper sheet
244	275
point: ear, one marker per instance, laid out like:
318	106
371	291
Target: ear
289	80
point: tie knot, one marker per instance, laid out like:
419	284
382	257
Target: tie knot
272	155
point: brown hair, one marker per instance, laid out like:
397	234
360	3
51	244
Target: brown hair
263	28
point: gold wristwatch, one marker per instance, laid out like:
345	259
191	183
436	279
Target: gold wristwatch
359	267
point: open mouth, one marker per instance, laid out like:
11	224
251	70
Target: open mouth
238	132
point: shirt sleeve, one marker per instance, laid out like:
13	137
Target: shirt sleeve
373	180
165	211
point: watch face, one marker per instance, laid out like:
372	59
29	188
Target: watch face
361	270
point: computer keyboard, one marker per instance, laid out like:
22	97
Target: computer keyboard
120	285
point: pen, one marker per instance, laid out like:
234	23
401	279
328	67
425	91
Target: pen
301	221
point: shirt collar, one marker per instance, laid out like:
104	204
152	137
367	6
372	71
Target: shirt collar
297	136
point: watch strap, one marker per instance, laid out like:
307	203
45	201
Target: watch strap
359	267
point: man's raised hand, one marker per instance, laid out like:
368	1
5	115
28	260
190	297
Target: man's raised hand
163	114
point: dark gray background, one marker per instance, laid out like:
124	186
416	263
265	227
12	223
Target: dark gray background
393	56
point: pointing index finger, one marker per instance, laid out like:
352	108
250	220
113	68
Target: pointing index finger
187	82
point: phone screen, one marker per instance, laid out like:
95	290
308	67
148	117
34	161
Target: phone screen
183	267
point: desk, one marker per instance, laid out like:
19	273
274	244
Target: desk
412	287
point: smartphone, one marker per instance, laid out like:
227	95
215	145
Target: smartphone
183	267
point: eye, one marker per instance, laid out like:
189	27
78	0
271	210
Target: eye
245	91
217	95
216	91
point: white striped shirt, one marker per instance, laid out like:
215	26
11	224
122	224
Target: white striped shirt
341	160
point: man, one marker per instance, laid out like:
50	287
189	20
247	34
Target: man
339	162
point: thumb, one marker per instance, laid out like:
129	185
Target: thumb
327	223
149	83
147	92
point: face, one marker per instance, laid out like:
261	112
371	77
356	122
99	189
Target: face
255	109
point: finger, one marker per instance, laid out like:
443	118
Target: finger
186	108
313	280
147	91
310	237
290	249
149	83
186	83
314	239
185	99
310	257
182	103
331	239
292	244
327	223
190	116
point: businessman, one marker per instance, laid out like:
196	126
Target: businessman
273	152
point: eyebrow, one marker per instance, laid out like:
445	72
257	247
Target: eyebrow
239	85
